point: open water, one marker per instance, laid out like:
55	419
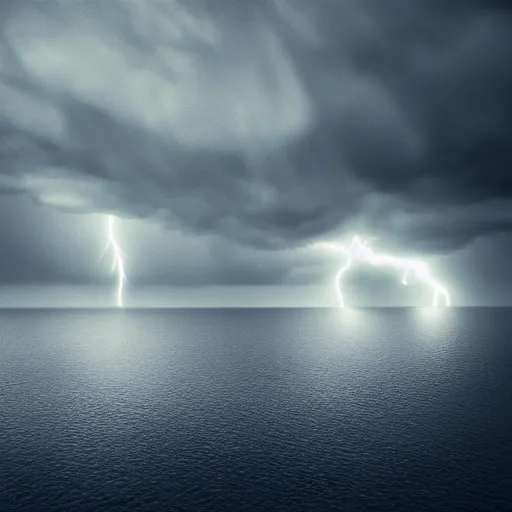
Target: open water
256	409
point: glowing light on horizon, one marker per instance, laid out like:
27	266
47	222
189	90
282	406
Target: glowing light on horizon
358	251
117	259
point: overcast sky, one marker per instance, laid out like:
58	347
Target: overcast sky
228	136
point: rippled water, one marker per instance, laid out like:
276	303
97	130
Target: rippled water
378	409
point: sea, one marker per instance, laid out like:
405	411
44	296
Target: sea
392	409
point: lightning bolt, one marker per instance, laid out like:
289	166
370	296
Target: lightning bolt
117	259
358	251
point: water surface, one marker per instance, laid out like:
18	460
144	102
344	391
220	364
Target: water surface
313	409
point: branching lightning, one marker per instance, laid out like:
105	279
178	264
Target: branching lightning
358	251
117	259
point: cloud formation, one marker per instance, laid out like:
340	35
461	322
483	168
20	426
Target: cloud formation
266	123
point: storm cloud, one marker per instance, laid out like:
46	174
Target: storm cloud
267	123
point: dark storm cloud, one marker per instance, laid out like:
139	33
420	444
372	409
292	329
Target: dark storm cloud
266	122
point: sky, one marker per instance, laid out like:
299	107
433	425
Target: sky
228	137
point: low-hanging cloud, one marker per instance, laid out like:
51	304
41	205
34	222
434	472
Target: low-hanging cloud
267	123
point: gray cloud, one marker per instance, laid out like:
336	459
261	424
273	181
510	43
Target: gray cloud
267	123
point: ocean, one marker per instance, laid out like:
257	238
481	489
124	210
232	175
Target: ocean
256	409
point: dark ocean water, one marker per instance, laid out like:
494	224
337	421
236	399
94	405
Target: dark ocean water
378	409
